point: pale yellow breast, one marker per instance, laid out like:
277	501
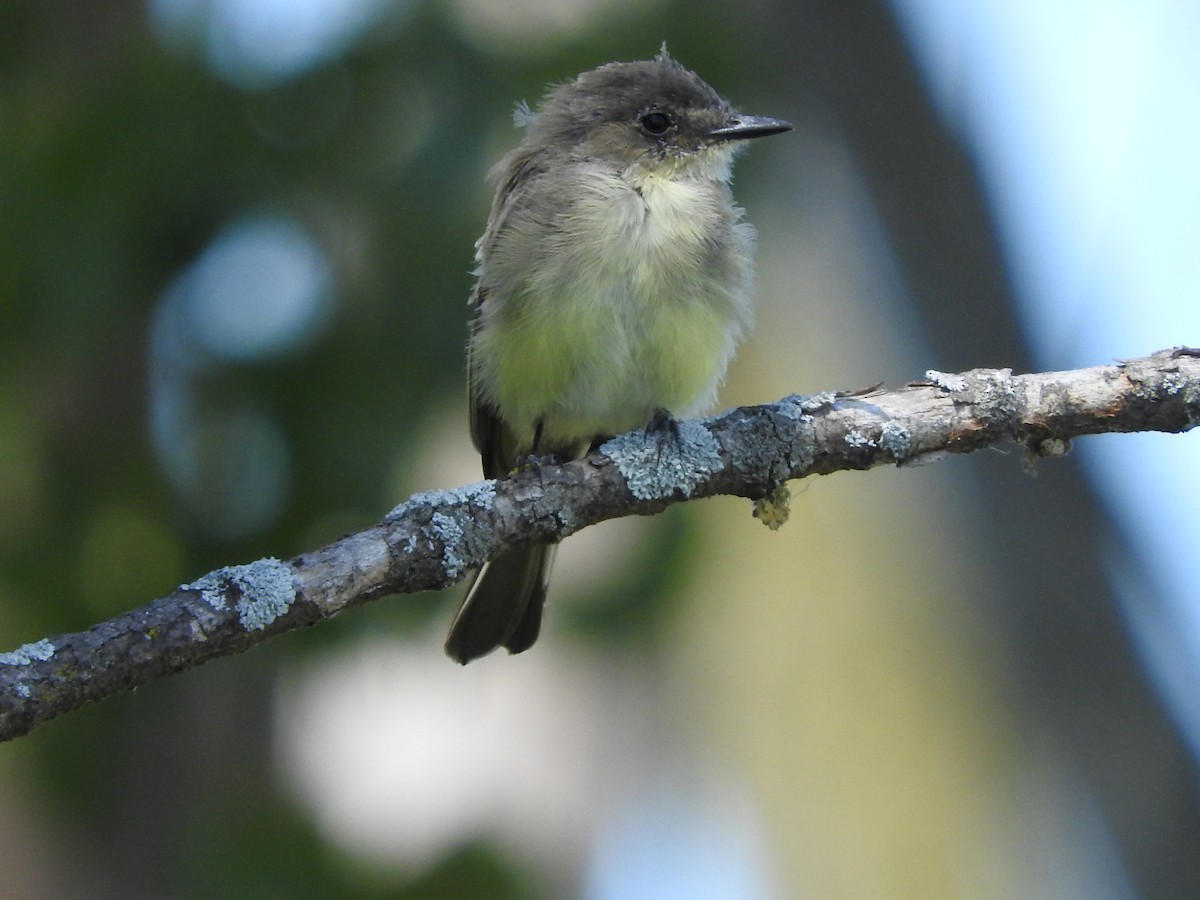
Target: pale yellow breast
628	312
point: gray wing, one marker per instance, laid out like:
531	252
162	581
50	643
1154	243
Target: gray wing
503	607
488	432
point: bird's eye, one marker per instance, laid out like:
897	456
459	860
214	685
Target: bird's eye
656	123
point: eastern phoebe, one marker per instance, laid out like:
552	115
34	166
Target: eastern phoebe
613	285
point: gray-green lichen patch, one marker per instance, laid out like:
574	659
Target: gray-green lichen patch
857	439
657	465
461	547
264	588
1178	384
38	651
481	494
799	406
450	516
896	440
774	508
946	381
1175	382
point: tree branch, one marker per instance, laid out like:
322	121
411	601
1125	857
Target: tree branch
435	539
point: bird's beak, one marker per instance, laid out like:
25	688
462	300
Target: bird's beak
742	128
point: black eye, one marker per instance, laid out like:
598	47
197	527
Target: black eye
656	123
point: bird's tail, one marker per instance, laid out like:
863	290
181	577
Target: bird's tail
504	606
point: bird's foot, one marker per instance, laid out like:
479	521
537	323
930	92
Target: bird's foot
534	463
663	428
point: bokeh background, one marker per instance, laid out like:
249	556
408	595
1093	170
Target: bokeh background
235	253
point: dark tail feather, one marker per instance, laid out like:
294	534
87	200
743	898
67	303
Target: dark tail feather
503	607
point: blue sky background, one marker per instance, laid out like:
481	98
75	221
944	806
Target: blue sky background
1085	121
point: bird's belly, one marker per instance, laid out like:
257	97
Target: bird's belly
634	311
605	362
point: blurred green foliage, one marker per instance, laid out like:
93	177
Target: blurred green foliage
120	161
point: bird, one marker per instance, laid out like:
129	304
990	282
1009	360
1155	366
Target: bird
613	283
